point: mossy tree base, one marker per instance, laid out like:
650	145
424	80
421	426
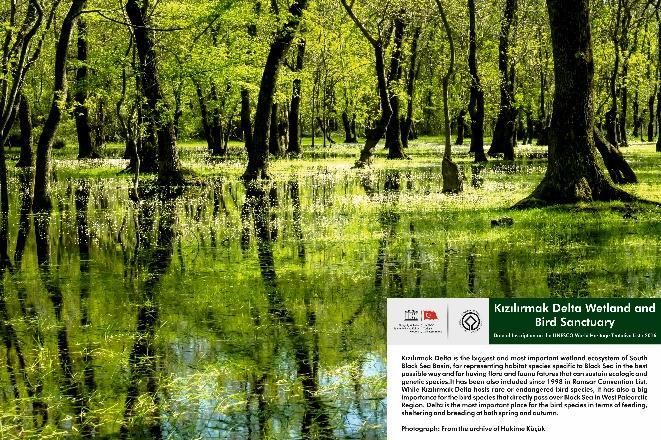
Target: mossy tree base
574	173
452	179
175	179
362	164
373	138
254	174
91	156
554	192
398	155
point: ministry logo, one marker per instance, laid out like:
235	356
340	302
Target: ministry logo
470	321
418	322
414	315
411	315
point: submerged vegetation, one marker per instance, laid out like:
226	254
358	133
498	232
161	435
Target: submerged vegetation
157	286
259	313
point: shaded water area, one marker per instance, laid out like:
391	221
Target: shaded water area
223	311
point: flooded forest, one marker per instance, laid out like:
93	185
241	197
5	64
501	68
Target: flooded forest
204	204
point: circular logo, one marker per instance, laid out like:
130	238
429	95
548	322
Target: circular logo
471	321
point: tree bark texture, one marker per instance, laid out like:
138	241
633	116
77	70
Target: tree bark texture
504	136
476	102
275	147
650	124
618	168
393	131
410	88
169	168
658	98
574	173
375	134
42	200
461	125
258	155
452	179
81	111
246	123
26	157
294	146
349	137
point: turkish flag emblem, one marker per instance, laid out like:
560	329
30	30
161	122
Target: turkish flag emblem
429	315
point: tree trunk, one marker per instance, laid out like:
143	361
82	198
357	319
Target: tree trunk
145	132
246	125
204	113
354	135
216	130
452	180
129	132
530	127
428	113
16	62
25	179
42	201
283	131
574	173
636	116
476	103
348	134
650	125
410	88
100	126
258	155
612	127
612	121
217	124
521	133
624	91
26	158
657	117
169	168
461	125
275	148
543	123
211	124
393	131
83	129
294	147
658	99
178	111
504	136
374	135
325	131
618	168
219	148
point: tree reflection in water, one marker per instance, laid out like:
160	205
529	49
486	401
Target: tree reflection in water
270	331
76	393
305	346
153	261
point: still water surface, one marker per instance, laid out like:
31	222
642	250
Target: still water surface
226	312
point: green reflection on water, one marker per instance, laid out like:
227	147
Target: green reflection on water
249	313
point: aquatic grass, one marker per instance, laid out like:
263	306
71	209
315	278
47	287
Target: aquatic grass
342	241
